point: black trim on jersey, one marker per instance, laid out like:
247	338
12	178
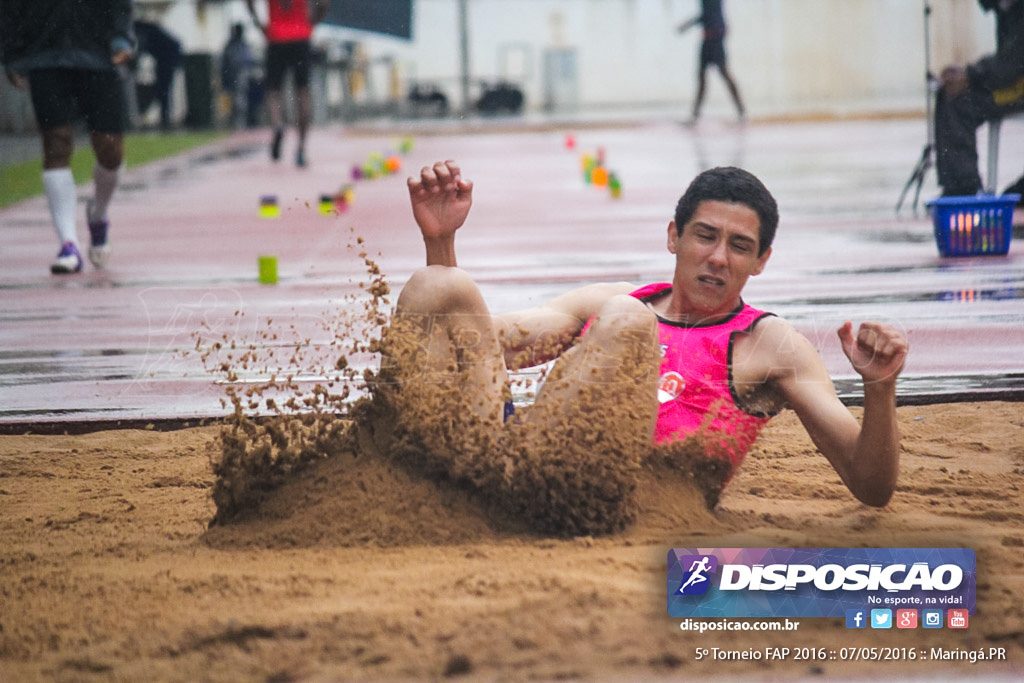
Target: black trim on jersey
732	386
675	323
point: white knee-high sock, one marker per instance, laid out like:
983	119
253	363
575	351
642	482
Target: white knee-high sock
59	185
105	182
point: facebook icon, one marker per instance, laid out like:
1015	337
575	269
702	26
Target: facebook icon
856	618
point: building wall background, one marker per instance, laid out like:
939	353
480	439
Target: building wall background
789	57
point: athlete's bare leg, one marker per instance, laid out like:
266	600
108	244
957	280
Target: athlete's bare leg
443	370
108	148
702	86
304	99
610	375
275	108
575	463
58	145
733	90
568	464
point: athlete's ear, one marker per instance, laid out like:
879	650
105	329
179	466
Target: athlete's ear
762	261
673	235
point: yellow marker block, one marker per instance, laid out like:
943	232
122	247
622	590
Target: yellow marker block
326	204
268	270
269	207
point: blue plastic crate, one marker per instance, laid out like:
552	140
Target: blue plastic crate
979	225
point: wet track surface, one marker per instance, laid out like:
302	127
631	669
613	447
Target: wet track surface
118	344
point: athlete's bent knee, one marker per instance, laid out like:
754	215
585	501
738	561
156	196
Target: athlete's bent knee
440	289
623	313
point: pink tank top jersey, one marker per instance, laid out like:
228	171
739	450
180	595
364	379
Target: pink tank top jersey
289	21
695	389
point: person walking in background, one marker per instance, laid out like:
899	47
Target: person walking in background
235	64
970	95
712	51
166	51
67	53
288	30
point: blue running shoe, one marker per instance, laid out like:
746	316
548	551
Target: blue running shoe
68	260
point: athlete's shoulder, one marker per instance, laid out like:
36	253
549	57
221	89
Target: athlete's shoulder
775	342
768	326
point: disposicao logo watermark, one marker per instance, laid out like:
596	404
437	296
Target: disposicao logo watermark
819	582
696	580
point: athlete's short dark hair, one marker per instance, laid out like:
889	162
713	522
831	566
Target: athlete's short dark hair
731	184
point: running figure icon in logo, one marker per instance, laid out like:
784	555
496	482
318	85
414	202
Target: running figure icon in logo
696	581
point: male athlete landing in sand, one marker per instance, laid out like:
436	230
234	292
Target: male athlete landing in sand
725	367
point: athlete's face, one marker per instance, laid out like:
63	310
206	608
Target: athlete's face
716	252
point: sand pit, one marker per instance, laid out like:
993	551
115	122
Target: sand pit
358	569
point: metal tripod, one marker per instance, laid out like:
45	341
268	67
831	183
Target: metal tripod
917	177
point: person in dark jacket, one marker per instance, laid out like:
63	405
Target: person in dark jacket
68	54
165	49
970	95
712	52
236	63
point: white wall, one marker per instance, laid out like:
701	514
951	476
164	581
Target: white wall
788	56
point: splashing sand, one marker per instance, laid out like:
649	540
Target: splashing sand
578	478
279	425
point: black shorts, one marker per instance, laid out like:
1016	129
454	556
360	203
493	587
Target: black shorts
712	51
61	96
282	57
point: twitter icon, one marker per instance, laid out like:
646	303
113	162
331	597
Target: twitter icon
881	618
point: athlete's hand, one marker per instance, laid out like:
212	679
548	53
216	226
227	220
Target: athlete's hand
441	200
878	351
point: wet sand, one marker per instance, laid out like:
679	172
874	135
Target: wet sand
360	569
365	567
